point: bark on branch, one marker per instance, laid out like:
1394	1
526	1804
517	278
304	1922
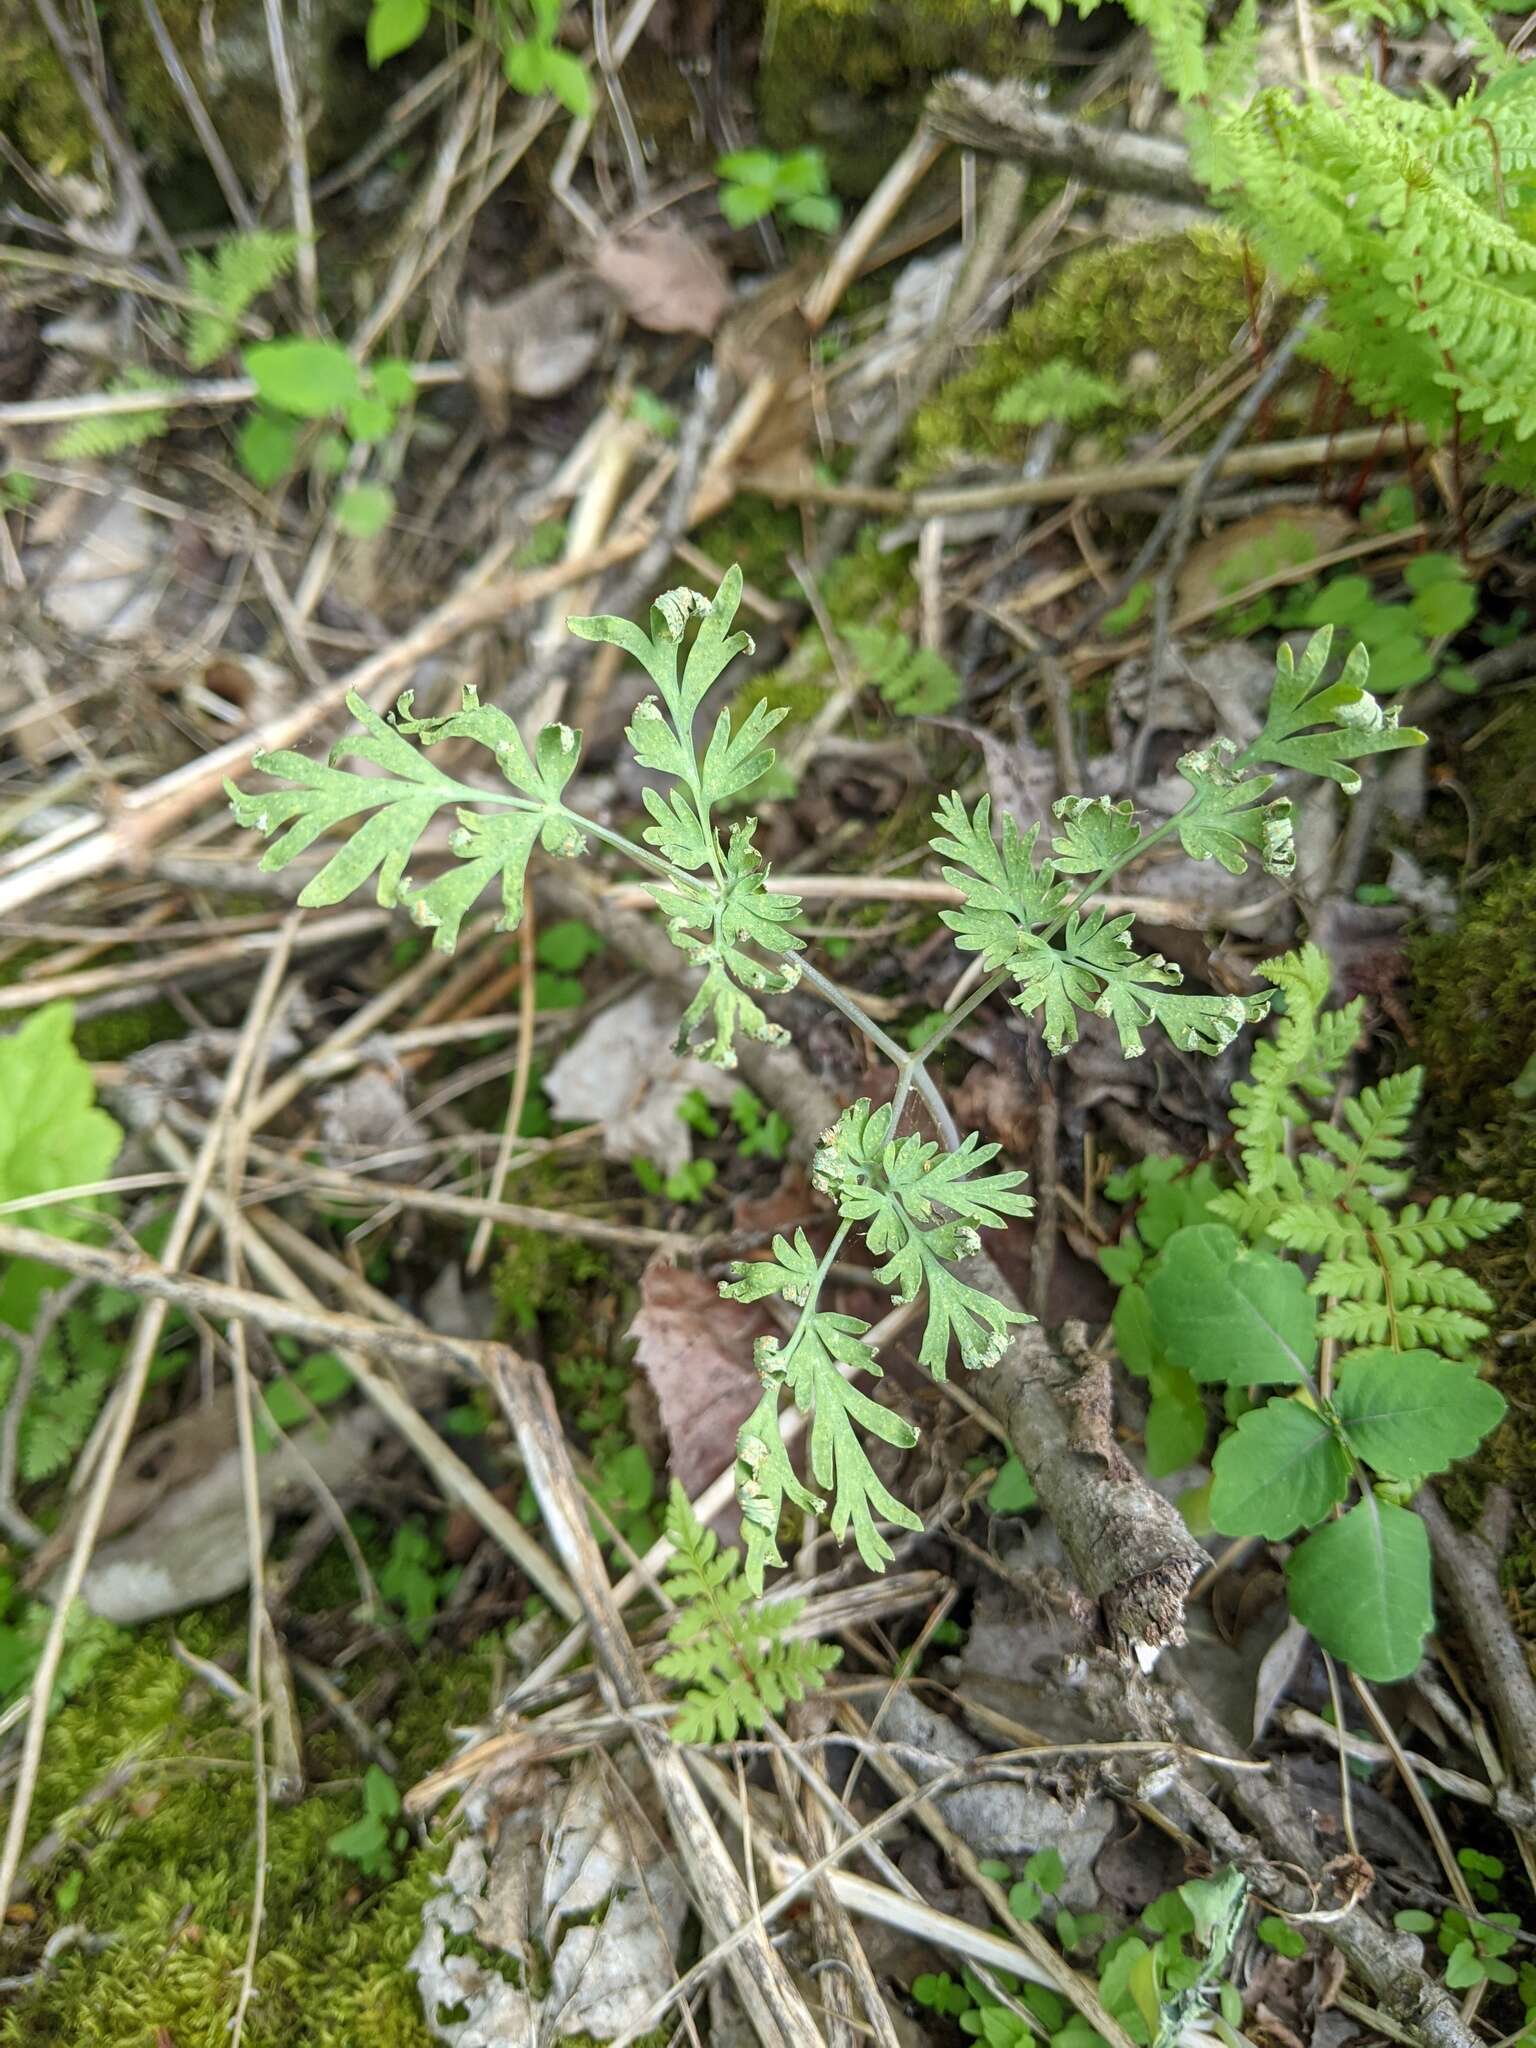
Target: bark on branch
1004	119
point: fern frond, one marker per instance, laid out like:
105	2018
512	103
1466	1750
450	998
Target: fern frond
736	1660
1307	1050
238	272
1449	1223
114	433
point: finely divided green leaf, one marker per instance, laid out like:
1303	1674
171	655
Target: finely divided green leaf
1323	727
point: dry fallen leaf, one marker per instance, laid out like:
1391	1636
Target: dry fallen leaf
623	1073
666	278
533	343
695	1348
1284	536
574	1918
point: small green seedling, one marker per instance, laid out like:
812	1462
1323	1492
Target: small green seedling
532	59
914	681
375	1840
757	182
1222	1300
1058	391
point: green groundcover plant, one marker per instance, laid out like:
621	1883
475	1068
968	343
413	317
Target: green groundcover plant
1312	1275
919	1203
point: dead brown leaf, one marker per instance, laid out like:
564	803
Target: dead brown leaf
1215	568
667	279
534	343
695	1347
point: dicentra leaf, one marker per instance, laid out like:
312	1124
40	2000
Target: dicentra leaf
1229	1314
1281	1469
1409	1413
1227	814
1361	1585
898	1191
1323	727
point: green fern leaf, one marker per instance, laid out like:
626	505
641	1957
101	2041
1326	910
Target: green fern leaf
114	433
239	271
736	1659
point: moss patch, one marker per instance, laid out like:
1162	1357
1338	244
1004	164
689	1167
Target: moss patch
1153	317
850	75
118	1034
166	1868
1475	995
39	108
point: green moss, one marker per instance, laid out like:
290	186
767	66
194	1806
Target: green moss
1154	317
38	105
39	108
543	1280
1477	993
1474	996
120	1033
850	75
757	534
866	586
166	1870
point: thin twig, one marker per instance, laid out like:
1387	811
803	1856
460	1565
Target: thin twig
213	146
124	162
521	1078
306	264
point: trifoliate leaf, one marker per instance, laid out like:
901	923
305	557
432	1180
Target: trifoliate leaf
1361	1585
1228	1314
1409	1413
1280	1470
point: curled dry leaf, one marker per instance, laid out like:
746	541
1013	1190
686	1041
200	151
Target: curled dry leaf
625	1073
533	343
667	279
696	1350
578	1893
